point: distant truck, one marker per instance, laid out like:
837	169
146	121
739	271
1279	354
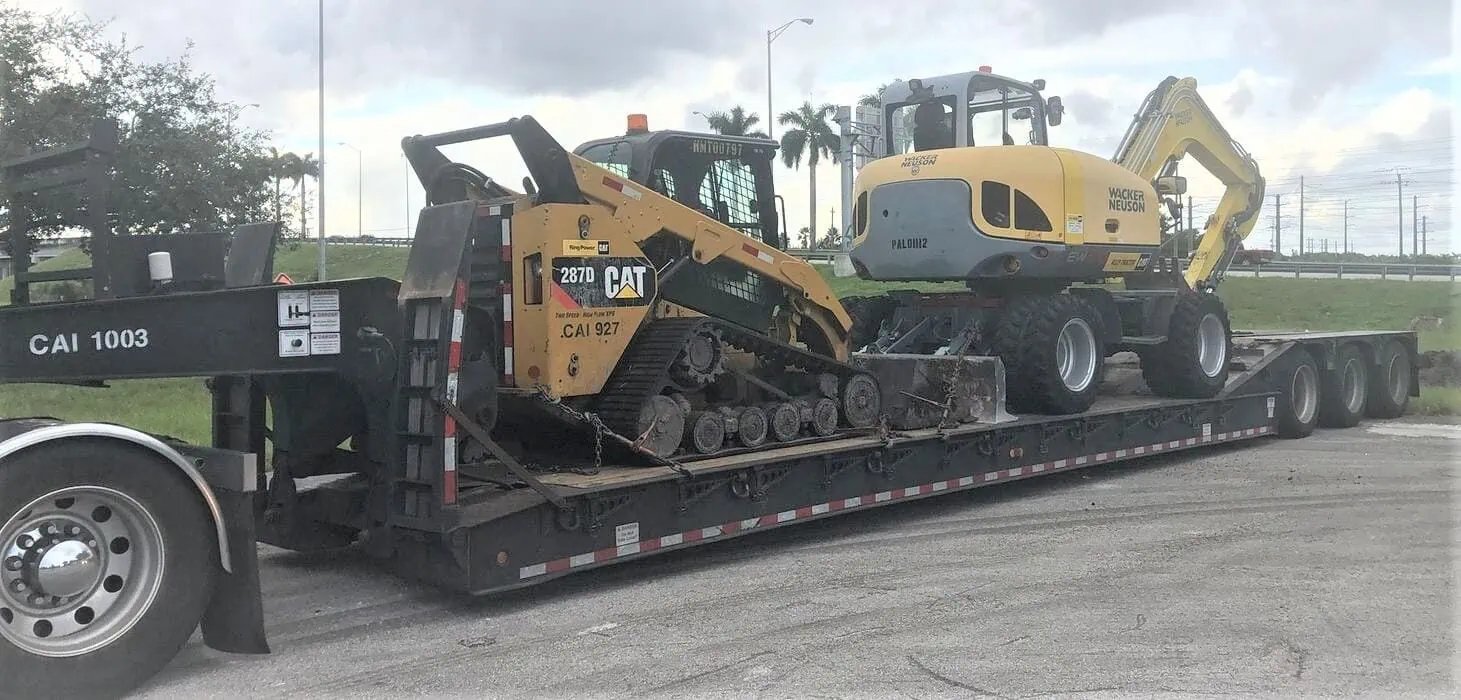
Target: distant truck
1253	256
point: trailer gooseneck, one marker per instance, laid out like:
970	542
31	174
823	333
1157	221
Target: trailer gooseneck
115	545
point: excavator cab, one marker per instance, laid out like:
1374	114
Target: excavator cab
976	108
727	178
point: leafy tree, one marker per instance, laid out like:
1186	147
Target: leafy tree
736	122
809	137
184	161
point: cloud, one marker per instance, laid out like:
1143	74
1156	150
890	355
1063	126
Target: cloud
1089	108
1241	99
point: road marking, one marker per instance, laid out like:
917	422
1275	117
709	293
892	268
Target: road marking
598	629
1430	430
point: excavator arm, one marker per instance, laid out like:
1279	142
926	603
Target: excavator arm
1174	122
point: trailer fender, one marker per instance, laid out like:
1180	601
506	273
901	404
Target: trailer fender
63	431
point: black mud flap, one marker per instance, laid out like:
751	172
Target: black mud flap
234	621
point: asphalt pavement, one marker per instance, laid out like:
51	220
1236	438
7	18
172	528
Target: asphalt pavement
1322	566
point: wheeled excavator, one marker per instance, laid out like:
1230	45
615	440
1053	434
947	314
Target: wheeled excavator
648	298
1039	234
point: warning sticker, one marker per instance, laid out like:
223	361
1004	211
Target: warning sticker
1075	225
294	343
626	534
324	343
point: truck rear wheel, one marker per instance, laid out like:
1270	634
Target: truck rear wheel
107	562
1389	383
1053	357
1193	362
1343	390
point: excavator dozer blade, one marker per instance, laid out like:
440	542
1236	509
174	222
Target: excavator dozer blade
925	391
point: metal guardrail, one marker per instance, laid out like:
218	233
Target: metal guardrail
1276	268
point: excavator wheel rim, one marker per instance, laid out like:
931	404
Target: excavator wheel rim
1212	345
1076	355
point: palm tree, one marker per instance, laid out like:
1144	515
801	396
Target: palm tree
736	122
809	137
873	99
298	168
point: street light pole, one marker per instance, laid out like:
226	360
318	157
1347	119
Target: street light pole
320	179
359	190
771	35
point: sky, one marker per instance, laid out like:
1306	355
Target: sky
1347	94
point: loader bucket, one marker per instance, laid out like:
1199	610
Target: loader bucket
925	391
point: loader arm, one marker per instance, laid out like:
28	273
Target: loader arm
1174	122
646	213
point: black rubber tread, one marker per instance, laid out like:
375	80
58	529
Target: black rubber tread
190	566
1172	369
1025	338
644	368
868	314
1289	425
1332	411
1380	403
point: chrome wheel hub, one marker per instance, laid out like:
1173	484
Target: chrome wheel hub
78	568
1075	355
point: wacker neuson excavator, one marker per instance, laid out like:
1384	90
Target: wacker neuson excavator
615	359
1034	230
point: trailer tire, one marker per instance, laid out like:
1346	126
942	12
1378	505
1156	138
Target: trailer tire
1052	352
1193	362
111	515
1297	404
1343	392
1389	393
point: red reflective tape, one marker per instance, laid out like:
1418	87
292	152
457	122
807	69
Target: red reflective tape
694	535
454	357
766	520
750	249
804	512
835	506
605	554
649	545
449	427
613	184
728	528
459	295
557	565
507	333
449	488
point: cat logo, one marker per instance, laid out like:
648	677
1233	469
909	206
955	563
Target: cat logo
625	282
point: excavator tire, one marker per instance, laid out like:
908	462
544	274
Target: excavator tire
1193	362
1052	351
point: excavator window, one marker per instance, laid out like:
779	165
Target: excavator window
613	157
923	126
1028	215
995	203
994	106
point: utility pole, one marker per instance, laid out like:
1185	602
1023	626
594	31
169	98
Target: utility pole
1277	228
1414	232
320	179
1301	215
1346	225
1400	211
1423	235
408	196
771	35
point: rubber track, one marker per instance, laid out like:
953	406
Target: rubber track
643	370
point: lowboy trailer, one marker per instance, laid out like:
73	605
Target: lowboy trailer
116	544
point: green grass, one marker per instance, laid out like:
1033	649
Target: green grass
178	406
1436	401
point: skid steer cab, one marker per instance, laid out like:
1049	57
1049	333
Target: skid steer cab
724	177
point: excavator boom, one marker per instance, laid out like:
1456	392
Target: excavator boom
1173	122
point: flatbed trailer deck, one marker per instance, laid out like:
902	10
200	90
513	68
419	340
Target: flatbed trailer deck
383	381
